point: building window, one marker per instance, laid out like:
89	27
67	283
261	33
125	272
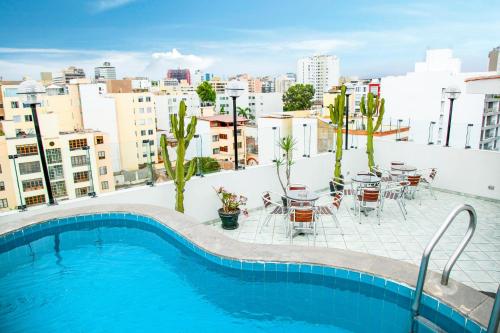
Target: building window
149	110
222	136
148	99
140	122
215	138
141	110
216	150
77	144
58	189
224	149
99	140
240	144
238	132
150	132
53	155
101	155
105	185
32	184
35	200
29	167
82	191
81	176
78	160
56	172
103	171
143	132
14	105
27	150
28	117
2	186
4	203
141	99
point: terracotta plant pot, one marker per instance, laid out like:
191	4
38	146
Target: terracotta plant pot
229	220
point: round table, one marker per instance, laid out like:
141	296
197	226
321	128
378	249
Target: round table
302	195
404	168
365	179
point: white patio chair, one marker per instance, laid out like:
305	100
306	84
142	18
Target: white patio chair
369	198
395	191
428	177
302	218
414	186
328	205
273	207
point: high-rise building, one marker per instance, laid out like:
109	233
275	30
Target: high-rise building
105	72
179	74
282	83
267	84
321	71
68	74
494	60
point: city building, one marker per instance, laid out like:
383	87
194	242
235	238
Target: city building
494	60
321	71
488	85
222	138
283	83
105	72
267	84
419	98
179	74
264	103
219	85
46	78
68	74
168	104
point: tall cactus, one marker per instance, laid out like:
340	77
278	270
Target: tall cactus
183	136
337	117
374	107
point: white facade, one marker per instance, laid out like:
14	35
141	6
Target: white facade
269	131
283	83
99	112
169	104
321	71
419	98
265	103
106	72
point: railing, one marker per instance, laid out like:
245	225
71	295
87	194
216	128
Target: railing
495	314
449	265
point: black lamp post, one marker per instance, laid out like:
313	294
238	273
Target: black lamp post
234	89
348	92
22	206
92	193
148	142
452	93
31	89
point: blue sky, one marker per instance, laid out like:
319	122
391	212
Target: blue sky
146	37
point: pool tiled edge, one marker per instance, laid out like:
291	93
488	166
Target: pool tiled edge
456	300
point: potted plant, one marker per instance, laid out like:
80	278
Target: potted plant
287	145
230	210
337	118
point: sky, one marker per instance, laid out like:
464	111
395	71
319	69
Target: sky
260	37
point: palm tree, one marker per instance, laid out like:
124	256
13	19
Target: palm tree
245	112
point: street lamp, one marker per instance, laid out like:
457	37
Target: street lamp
234	89
348	92
30	89
199	141
92	193
21	207
148	142
452	92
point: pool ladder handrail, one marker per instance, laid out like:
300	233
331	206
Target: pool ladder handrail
495	314
449	265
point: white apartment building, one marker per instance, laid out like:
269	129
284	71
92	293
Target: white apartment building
265	103
283	83
167	105
105	72
321	71
419	98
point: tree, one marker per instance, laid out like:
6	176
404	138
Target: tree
245	112
206	92
337	117
287	145
183	136
204	165
298	97
373	108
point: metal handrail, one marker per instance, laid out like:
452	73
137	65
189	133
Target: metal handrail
449	265
495	314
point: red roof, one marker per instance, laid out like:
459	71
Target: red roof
223	118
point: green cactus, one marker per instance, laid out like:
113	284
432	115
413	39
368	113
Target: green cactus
337	117
183	136
374	107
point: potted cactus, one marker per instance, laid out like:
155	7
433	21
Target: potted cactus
230	211
337	118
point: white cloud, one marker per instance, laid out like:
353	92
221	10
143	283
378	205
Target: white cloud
161	61
104	5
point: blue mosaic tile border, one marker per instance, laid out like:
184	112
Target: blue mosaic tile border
26	235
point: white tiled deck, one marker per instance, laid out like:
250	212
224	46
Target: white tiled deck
478	266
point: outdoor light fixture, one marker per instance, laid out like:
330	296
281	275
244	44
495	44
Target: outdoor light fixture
22	206
309	151
199	141
235	89
29	91
431	133
348	92
452	93
398	134
92	193
467	136
333	139
150	182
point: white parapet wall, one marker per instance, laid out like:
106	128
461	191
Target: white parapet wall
473	172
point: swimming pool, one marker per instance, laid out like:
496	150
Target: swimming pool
127	273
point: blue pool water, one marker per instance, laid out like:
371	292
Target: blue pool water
124	275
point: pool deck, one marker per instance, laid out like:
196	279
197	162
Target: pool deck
463	298
405	240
